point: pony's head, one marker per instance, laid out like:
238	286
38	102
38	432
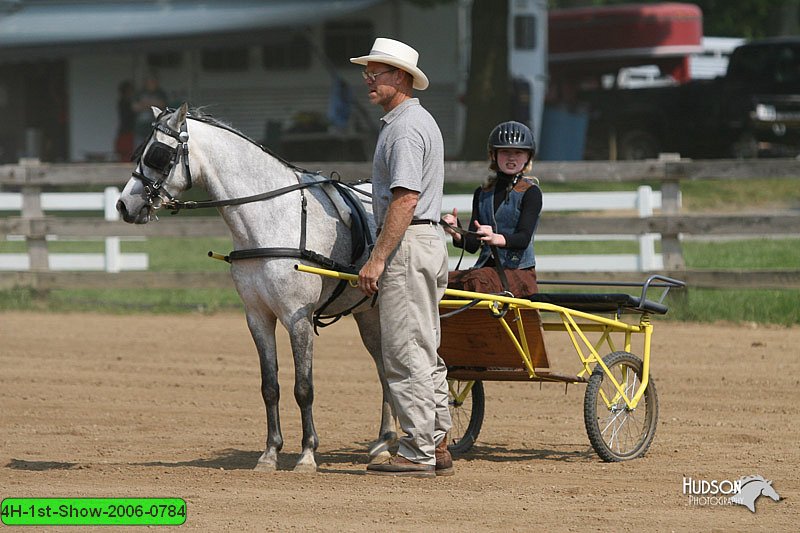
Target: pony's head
751	488
768	491
162	167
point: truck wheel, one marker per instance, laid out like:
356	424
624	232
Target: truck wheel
637	144
745	147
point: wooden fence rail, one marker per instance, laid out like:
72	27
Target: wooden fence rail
31	178
35	173
787	224
32	205
37	230
708	279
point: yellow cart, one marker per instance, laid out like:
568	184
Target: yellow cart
490	337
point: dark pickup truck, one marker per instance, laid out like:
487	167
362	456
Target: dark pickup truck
752	111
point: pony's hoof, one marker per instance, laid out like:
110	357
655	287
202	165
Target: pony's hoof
268	462
380	458
383	446
306	466
265	467
305	469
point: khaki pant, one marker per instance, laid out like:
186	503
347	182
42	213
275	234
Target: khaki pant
410	289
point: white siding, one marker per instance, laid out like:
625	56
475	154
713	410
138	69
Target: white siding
248	100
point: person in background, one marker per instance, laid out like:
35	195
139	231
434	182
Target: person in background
126	121
408	265
151	95
505	214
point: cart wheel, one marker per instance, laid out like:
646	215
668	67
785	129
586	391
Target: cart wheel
466	402
616	432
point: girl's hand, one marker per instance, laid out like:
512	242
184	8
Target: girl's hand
452	219
487	235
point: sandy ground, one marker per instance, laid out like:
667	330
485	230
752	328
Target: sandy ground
169	406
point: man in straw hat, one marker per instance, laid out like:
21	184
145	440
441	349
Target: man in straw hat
409	261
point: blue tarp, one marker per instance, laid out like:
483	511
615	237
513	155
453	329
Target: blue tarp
563	134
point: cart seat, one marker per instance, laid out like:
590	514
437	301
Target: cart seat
600	302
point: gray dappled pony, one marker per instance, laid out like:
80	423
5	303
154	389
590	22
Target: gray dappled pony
228	165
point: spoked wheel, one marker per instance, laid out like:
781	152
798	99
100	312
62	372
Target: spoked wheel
616	432
466	402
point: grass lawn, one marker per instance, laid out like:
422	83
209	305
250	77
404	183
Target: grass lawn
189	255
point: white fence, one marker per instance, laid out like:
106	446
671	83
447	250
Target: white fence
112	260
644	200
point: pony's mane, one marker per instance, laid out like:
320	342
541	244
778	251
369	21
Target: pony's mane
748	479
197	113
200	115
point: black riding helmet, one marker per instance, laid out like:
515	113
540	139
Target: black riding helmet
511	134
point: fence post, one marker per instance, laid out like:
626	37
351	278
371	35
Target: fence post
36	239
113	257
671	205
647	241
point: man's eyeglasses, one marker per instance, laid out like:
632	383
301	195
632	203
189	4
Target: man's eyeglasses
373	76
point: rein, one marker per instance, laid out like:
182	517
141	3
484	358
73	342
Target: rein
176	205
181	153
164	159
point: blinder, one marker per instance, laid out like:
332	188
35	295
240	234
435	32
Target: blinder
163	158
160	156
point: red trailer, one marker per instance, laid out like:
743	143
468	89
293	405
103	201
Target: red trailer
586	44
597	40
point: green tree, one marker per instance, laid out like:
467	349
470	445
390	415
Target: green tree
488	97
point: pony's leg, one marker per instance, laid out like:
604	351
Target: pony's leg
369	327
262	330
302	339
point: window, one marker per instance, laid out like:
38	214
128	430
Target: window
286	49
788	65
347	38
225	59
525	32
164	60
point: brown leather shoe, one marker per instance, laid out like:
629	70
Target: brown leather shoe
400	466
444	461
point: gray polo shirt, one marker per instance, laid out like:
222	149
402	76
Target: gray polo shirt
409	154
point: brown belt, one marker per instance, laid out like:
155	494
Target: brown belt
415	223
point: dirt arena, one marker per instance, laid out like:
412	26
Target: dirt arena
169	406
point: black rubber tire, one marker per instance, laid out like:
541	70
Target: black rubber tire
604	426
467	416
745	147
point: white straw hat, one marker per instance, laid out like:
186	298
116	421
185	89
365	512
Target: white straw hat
398	55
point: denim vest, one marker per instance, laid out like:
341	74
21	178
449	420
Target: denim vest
505	221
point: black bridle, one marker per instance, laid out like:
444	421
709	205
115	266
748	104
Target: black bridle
162	159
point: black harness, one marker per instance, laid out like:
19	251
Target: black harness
163	159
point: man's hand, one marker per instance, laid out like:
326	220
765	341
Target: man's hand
398	216
369	275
